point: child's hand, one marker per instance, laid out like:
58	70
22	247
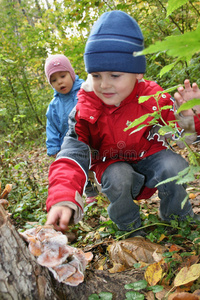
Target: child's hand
59	217
188	93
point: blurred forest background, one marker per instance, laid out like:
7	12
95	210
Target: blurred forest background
33	29
30	30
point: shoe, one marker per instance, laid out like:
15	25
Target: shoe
139	233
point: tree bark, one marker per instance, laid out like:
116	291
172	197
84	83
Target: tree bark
22	278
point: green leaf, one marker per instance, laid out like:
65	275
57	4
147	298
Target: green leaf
184	176
183	46
184	201
139	128
144	98
138	285
189	104
137	265
93	297
155	288
173	5
137	121
165	129
134	296
105	296
166	69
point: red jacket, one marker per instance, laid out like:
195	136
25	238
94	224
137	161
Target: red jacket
96	126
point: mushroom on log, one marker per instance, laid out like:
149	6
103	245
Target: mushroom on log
21	277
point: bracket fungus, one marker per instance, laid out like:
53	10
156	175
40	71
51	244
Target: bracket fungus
50	247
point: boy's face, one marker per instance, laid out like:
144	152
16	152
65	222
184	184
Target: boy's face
61	81
113	87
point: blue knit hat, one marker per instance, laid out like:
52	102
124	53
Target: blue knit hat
111	43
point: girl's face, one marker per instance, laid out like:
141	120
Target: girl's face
113	87
62	82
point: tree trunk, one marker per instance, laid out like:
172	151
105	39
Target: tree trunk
22	278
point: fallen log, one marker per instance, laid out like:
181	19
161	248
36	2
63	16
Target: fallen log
21	277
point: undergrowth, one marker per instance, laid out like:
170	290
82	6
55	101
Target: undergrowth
26	168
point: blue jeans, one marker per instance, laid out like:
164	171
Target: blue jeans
122	182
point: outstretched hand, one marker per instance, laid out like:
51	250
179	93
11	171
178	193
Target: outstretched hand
187	93
59	217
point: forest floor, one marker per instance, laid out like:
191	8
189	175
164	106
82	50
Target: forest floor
98	234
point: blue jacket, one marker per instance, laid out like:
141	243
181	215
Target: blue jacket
57	117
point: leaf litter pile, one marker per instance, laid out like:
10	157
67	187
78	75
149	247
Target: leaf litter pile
169	256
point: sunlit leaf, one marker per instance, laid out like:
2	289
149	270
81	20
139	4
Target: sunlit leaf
186	275
144	98
137	121
166	69
185	45
189	104
173	5
153	273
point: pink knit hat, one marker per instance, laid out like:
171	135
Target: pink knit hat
56	63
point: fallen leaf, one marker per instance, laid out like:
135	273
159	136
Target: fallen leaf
192	196
175	248
187	274
153	273
133	250
150	295
117	268
183	296
162	237
157	256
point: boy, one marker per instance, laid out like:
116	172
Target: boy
128	166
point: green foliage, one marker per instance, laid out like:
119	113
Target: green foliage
173	5
189	104
182	47
132	295
102	296
31	30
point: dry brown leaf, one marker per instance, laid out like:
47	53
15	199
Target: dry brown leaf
133	250
117	268
157	256
149	296
187	275
153	273
175	248
183	296
101	263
